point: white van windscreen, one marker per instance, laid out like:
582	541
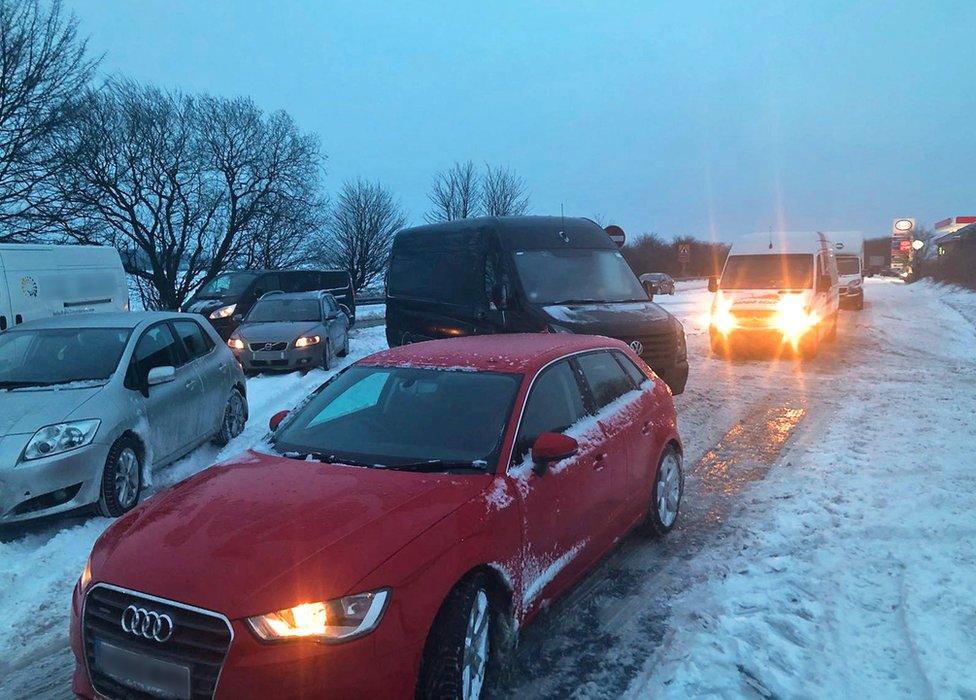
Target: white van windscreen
768	272
848	265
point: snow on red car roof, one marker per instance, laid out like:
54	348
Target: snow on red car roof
500	353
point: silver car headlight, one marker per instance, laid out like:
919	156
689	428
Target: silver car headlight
224	311
62	437
336	620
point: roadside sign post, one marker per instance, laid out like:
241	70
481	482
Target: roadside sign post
616	234
902	233
684	255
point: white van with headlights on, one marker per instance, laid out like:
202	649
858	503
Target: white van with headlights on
778	291
40	281
849	251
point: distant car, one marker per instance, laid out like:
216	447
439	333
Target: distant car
89	401
393	535
657	283
229	296
286	332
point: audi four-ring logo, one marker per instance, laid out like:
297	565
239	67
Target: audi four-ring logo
147	623
637	346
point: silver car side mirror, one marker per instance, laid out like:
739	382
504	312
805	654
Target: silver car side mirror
161	375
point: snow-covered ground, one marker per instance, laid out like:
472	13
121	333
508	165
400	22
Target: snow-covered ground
827	545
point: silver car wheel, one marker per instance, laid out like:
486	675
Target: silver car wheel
474	663
126	478
668	489
234	415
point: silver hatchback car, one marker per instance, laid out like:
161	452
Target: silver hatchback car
88	402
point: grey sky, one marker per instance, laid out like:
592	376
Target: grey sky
712	119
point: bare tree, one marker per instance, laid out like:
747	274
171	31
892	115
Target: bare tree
43	68
183	186
455	194
360	230
503	192
269	175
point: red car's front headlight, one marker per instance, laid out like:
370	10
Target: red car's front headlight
332	621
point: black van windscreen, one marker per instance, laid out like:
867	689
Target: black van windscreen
577	275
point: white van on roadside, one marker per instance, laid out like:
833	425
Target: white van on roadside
38	281
849	251
777	290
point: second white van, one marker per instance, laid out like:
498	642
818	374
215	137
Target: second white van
781	290
39	281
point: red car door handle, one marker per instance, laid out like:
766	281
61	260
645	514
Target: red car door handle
646	428
598	463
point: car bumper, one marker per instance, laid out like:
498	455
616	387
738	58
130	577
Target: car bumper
676	377
285	361
375	666
49	485
757	339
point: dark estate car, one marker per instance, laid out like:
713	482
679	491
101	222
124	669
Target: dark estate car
526	274
657	283
291	331
227	298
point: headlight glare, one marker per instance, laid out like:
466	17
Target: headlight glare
307	340
224	311
722	318
235	344
793	318
332	621
62	437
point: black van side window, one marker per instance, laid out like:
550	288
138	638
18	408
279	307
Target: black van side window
449	276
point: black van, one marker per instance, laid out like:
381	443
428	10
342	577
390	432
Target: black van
525	274
227	298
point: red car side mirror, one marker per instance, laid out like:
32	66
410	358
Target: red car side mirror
276	420
552	447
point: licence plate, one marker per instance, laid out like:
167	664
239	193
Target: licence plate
163	679
263	355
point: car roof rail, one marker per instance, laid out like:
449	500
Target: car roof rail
271	293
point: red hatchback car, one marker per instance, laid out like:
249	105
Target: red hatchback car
393	533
